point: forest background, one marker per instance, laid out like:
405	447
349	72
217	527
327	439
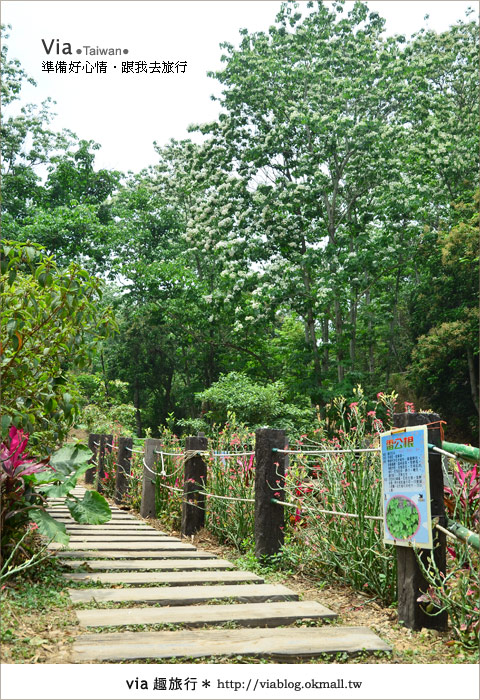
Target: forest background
324	234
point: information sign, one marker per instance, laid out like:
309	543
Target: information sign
406	487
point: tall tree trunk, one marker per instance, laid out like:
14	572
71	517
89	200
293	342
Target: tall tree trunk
168	392
392	328
325	338
136	403
339	340
473	378
371	356
353	336
310	331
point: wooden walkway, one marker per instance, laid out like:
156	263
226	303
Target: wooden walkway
158	579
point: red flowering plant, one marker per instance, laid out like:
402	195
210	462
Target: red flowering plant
26	483
18	497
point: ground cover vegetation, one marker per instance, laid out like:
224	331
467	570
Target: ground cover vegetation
318	249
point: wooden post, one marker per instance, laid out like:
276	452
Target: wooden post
269	483
411	583
124	460
93	444
105	441
147	507
195	479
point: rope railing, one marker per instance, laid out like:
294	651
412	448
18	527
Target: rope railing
227	498
328	512
137	452
232	454
324	452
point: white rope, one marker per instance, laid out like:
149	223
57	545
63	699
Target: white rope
232	454
328	512
171	488
147	467
174	472
97	444
108	445
227	498
169	454
327	452
137	452
163	464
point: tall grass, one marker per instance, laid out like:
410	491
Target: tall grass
341	547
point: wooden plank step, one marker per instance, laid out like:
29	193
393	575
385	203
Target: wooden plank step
102	530
144	534
66	517
156	537
143	555
56	512
303	642
168	578
123	527
248	614
129	546
184	595
152	565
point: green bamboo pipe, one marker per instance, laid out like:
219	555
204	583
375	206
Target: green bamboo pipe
463	533
471	454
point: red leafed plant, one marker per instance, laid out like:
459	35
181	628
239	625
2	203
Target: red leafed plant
465	495
17	495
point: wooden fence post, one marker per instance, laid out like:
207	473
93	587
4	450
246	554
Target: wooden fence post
411	582
195	479
93	444
147	507
105	440
269	483
124	460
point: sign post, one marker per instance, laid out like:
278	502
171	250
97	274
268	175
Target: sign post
411	482
407	516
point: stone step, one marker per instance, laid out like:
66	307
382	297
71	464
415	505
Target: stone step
67	518
154	537
152	565
185	595
272	643
128	546
168	578
102	530
144	555
248	615
122	527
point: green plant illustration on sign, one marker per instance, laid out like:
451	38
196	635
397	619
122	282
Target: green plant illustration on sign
402	517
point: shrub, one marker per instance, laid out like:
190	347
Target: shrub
50	321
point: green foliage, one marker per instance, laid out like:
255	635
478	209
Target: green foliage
323	234
51	322
253	403
24	487
116	419
92	509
